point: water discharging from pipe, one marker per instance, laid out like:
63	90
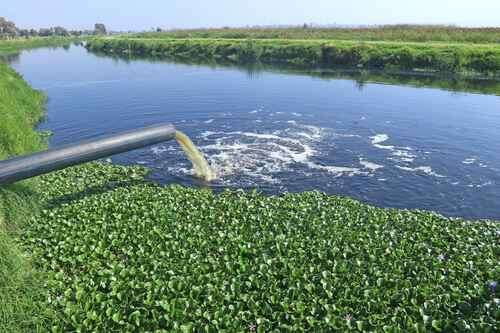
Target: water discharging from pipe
200	165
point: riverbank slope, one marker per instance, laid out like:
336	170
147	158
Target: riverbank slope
21	108
467	59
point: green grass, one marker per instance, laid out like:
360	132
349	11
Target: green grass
22	295
126	255
404	33
481	59
16	45
21	108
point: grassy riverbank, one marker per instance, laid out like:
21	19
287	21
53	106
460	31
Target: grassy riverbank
481	59
15	45
20	109
396	33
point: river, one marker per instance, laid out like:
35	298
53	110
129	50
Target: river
391	145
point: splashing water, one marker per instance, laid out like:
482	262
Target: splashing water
200	165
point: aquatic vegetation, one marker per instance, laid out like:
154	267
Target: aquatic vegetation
130	255
433	57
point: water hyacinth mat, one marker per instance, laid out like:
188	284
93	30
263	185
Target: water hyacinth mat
125	254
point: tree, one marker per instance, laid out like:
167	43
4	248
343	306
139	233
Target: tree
7	29
76	32
24	33
60	31
99	29
44	32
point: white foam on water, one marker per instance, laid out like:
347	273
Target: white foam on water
402	155
209	121
370	165
206	134
480	185
310	136
261	156
377	139
297	114
180	170
338	135
312	132
470	160
336	171
249	157
421	169
399	154
402	159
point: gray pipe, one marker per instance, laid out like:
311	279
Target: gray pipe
24	167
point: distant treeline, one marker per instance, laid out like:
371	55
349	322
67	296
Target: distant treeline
9	30
458	58
407	33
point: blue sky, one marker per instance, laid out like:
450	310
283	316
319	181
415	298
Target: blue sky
145	14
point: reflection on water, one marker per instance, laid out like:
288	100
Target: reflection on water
459	83
276	130
10	58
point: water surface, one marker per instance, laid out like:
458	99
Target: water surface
388	145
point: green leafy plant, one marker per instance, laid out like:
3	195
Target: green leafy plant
129	255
